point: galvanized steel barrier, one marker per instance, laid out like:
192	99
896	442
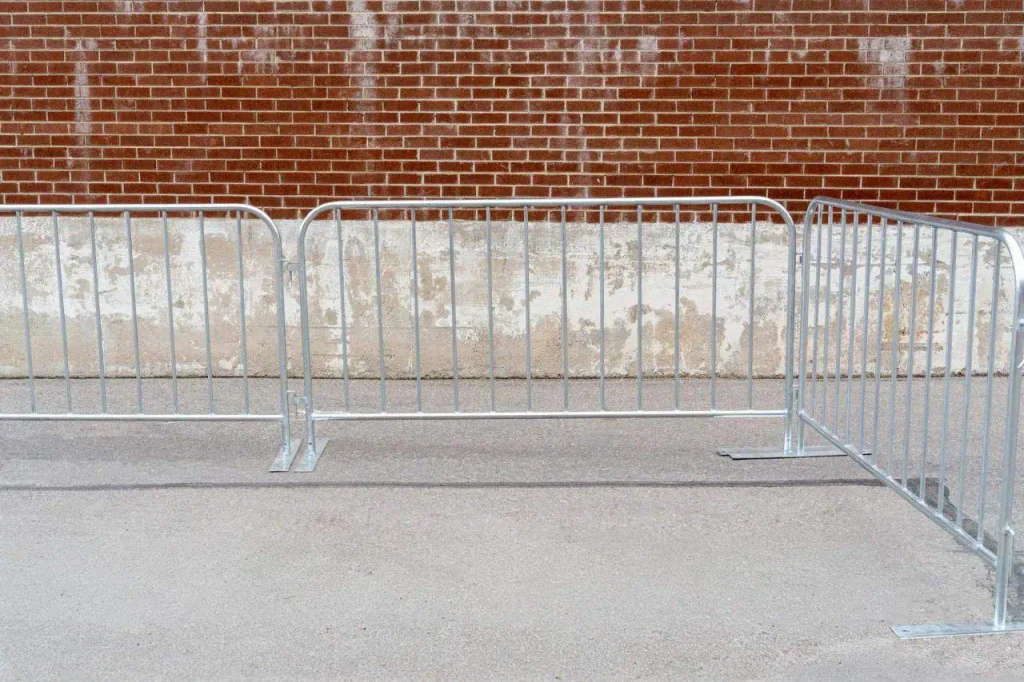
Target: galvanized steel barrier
519	217
63	254
878	290
871	293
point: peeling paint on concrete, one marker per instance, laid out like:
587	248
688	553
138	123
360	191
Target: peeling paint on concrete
583	275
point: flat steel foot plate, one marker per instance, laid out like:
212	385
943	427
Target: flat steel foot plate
284	459
779	453
307	462
955	629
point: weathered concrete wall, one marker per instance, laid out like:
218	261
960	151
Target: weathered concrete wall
151	297
435	317
583	276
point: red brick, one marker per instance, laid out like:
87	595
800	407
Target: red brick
910	104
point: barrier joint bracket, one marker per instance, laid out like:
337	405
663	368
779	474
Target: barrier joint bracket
298	403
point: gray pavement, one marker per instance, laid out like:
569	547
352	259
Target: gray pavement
464	550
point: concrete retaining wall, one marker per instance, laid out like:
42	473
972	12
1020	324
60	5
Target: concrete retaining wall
435	304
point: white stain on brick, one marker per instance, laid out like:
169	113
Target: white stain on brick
12	63
263	54
363	25
201	32
889	57
647	55
83	99
648	46
365	30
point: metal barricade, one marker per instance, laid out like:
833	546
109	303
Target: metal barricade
615	229
116	314
911	324
909	328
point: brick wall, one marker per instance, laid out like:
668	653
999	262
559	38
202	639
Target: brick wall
911	103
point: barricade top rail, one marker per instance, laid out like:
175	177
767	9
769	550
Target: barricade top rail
528	203
157	209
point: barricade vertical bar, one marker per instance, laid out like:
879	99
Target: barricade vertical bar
714	306
526	299
25	312
380	315
793	394
817	307
416	309
878	339
968	373
284	460
987	425
1004	562
1004	566
170	312
928	363
851	345
600	267
490	308
206	311
63	318
313	448
344	312
99	319
565	319
675	318
241	314
828	302
455	325
912	339
894	363
135	314
750	318
950	308
864	342
839	313
790	388
805	308
639	309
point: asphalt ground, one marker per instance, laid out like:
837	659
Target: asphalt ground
576	549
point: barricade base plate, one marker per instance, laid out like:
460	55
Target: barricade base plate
284	459
982	627
779	453
308	461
